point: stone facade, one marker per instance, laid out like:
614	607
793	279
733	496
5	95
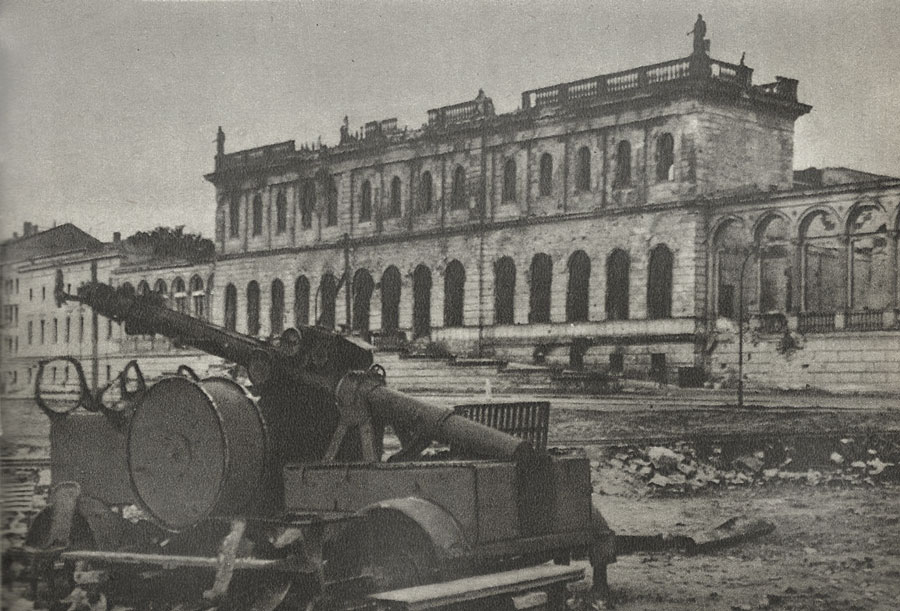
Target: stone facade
603	225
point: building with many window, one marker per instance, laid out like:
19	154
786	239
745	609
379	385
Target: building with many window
625	223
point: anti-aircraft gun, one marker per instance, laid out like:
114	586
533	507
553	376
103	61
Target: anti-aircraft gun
198	490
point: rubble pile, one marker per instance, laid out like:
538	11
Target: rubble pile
680	467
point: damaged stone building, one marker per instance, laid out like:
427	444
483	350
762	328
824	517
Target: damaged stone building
619	223
603	224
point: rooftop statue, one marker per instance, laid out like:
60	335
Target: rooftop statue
699	33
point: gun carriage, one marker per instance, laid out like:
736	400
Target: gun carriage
201	493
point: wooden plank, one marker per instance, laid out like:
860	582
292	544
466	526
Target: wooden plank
469	589
165	561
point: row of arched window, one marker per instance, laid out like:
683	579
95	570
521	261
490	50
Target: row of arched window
192	298
828	267
665	161
659	294
307	206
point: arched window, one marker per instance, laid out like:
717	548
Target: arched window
143	288
583	170
665	157
365	202
617	265
731	246
234	215
180	295
301	302
128	288
458	191
198	297
253	308
426	192
578	289
328	299
822	250
257	214
541	283
659	283
363	286
307	203
209	295
395	207
546	177
509	180
276	308
504	291
454	294
870	263
231	307
331	202
390	300
160	288
775	286
421	302
623	165
281	213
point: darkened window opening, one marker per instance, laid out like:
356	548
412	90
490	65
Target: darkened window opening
301	302
454	293
616	362
623	165
659	283
577	292
426	192
328	298
281	213
253	308
504	291
658	367
234	216
390	300
421	302
331	201
665	157
541	282
365	202
583	170
617	285
363	286
546	175
307	203
276	310
257	215
509	181
458	192
395	207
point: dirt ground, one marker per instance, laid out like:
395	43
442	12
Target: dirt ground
832	549
836	543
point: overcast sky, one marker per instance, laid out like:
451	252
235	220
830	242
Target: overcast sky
109	111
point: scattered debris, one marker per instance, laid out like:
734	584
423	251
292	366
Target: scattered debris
680	468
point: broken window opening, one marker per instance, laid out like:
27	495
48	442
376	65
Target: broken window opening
504	291
541	282
578	290
301	302
454	294
390	301
617	265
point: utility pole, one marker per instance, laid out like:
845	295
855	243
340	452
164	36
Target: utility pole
95	349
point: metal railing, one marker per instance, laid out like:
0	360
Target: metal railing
868	320
774	322
815	322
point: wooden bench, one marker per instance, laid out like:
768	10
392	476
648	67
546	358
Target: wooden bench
549	578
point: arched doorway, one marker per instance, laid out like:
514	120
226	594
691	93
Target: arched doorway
504	291
454	294
390	301
363	285
421	302
659	283
578	291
